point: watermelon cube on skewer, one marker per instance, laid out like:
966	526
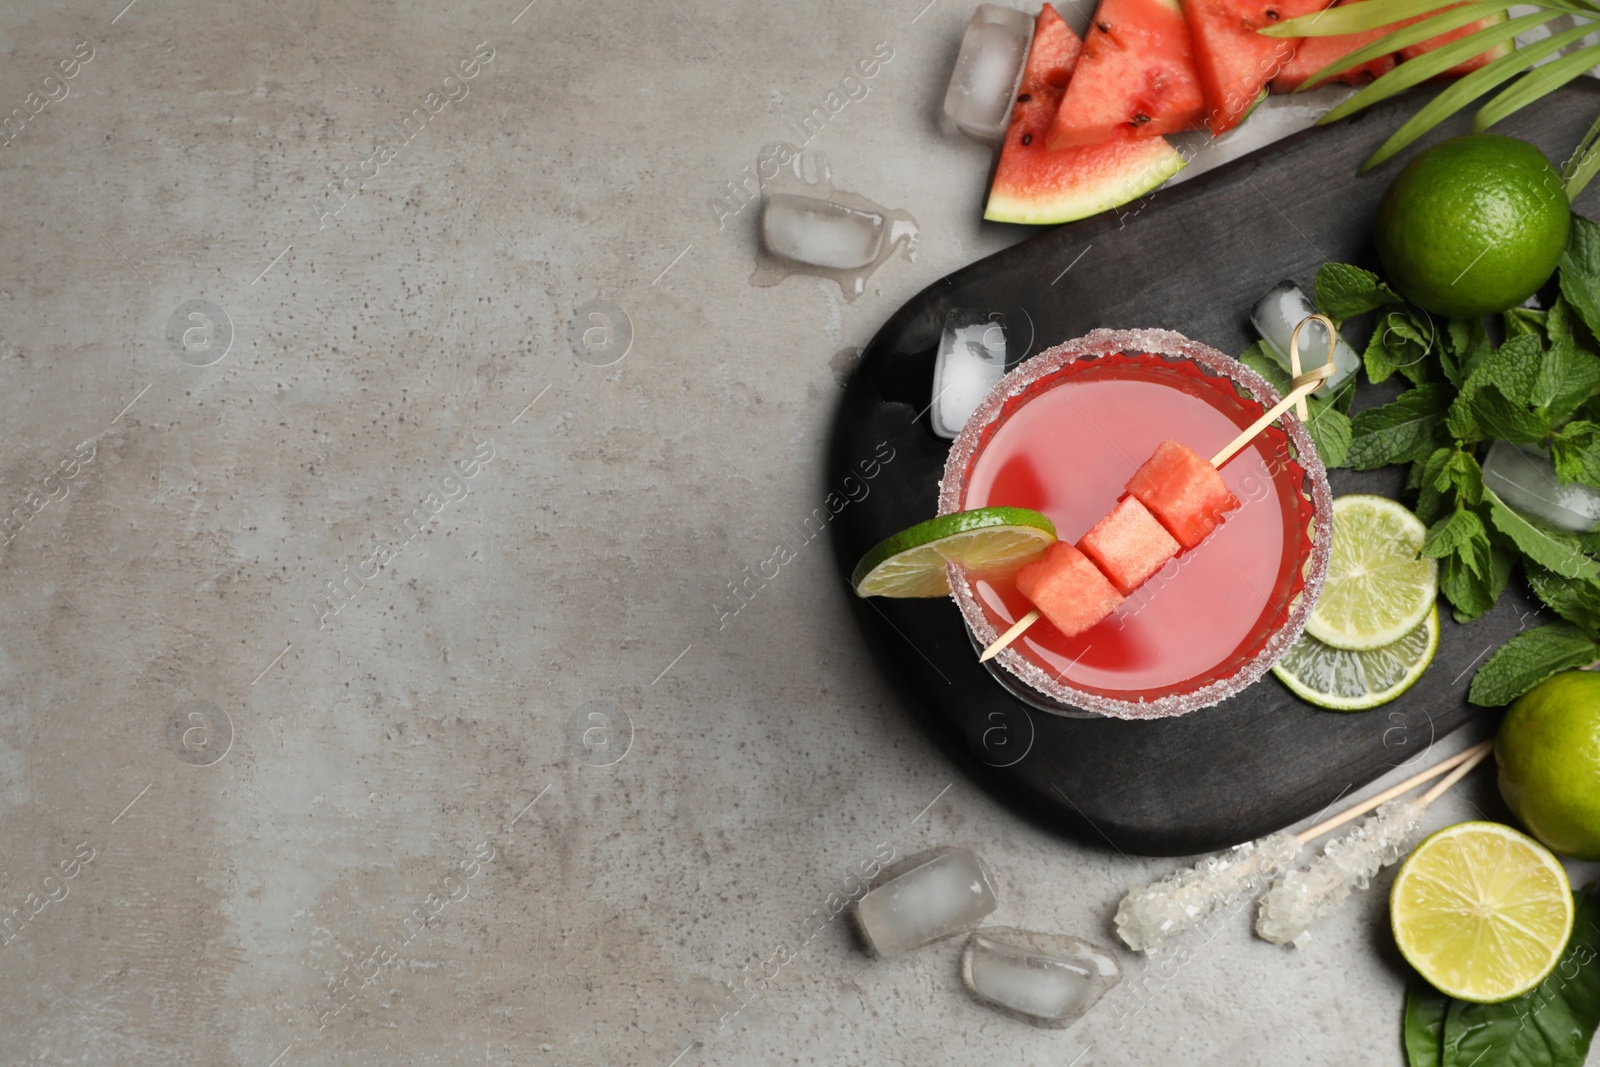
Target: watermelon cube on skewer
1129	545
1184	492
1068	589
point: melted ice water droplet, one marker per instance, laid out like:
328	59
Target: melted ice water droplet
972	358
988	70
820	233
1044	979
934	899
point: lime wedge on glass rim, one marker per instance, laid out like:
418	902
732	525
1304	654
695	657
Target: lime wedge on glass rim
984	541
1380	586
1343	680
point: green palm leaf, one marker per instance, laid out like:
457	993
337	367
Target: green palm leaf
1469	88
1540	82
1450	19
1418	70
1584	162
1370	14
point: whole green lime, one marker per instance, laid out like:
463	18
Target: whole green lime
1548	751
1473	225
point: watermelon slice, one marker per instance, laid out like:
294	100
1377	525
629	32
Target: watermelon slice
1314	53
1035	185
1068	589
1129	545
1183	491
1234	61
1478	61
1136	77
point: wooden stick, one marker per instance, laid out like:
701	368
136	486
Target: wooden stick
1010	635
1462	762
1302	386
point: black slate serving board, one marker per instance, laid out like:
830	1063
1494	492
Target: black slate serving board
1193	258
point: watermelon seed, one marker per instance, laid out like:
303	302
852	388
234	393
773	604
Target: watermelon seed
1140	120
1027	138
1023	98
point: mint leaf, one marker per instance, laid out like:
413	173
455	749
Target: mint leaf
1525	320
1462	473
1398	432
1558	322
1575	450
1550	1026
1426	1008
1433	490
1463	535
1471	595
1577	602
1555	549
1567	377
1496	399
1466	344
1399	345
1580	272
1528	659
1343	291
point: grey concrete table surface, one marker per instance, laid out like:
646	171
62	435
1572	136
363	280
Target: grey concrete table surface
388	412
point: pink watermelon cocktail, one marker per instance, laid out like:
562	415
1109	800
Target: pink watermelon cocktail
1064	434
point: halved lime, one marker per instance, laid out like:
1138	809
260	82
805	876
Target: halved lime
1481	911
984	541
1342	680
1379	586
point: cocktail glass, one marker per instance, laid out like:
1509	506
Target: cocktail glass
1062	434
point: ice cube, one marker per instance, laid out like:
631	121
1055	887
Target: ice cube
1525	479
1275	317
1044	979
928	900
820	233
988	70
972	357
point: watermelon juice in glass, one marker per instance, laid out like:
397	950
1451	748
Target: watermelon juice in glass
1062	434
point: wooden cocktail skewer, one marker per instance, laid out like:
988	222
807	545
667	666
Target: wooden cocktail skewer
1302	386
1151	915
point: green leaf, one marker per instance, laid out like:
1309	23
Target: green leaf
1580	271
1519	321
1450	18
1497	399
1536	86
1581	167
1472	595
1460	534
1577	602
1465	90
1567	377
1424	1025
1528	659
1399	344
1462	473
1575	449
1551	1026
1546	546
1434	492
1398	432
1430	65
1558	322
1353	18
1343	291
1466	345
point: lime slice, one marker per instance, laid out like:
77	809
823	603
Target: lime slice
1343	680
1481	911
1379	585
984	541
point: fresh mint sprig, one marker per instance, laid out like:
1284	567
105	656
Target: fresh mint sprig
1537	387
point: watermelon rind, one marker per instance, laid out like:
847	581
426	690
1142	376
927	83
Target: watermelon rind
1141	166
